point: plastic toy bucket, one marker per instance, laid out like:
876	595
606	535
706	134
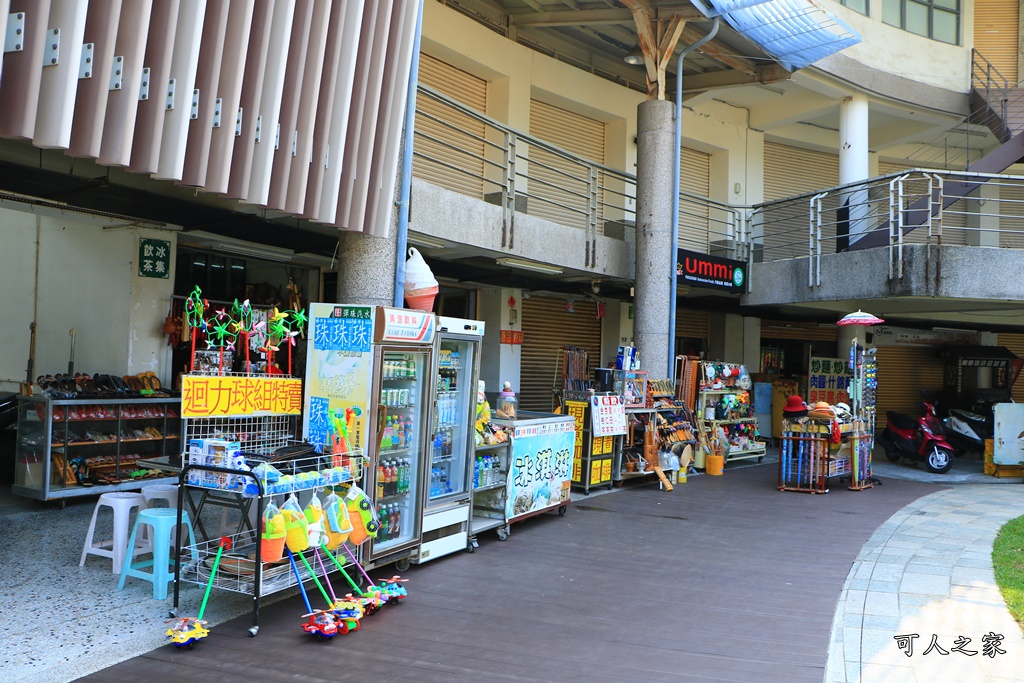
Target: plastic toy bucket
272	539
714	464
296	537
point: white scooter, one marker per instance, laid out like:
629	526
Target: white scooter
967	431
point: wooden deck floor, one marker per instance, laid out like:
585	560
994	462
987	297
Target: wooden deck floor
724	579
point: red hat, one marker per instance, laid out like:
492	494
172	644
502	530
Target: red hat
795	407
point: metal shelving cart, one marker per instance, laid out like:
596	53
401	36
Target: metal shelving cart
489	495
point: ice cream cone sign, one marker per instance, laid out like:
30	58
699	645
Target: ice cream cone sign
420	285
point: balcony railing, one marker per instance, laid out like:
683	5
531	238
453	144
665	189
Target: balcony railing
919	206
468	152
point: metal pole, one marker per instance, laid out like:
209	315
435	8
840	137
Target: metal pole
407	144
675	192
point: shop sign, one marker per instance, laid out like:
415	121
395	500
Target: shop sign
711	272
240	396
608	415
405	325
511	337
829	380
540	467
154	258
577	410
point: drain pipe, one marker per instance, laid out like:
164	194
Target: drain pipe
405	190
675	193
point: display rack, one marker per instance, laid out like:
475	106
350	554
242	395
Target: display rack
77	447
718	382
243	570
490	486
595	457
809	455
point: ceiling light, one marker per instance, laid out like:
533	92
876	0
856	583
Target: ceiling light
529	265
427	242
634	56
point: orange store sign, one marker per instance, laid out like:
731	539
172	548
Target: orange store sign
240	396
511	337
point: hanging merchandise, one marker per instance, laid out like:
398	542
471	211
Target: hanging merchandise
365	523
273	534
337	525
314	514
726	424
297	538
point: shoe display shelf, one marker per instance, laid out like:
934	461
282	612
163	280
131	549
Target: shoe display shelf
87	446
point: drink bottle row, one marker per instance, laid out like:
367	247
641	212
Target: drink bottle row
390	517
404	368
393	478
398	433
442	445
439	484
448	408
487	471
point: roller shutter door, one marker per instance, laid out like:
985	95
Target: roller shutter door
790	171
434	160
776	329
903	371
558	187
693	324
1015	342
695	178
995	35
547	327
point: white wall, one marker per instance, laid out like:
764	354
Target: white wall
87	281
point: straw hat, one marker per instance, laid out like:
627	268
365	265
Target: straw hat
795	407
822	411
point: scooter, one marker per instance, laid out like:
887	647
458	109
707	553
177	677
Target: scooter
967	431
920	440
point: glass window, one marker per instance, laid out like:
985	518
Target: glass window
935	19
856	5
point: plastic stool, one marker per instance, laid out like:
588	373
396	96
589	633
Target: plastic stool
162	522
121	503
167	492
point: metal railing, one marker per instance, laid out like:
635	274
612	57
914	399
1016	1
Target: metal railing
468	152
920	206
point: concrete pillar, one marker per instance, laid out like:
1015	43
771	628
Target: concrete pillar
726	341
655	253
751	357
854	166
366	269
500	362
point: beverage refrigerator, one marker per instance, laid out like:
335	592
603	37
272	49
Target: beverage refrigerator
368	384
449	501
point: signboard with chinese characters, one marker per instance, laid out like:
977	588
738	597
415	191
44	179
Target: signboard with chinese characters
511	337
338	380
577	410
215	396
154	258
829	380
608	416
404	325
540	466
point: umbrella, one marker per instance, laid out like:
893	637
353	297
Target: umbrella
860	318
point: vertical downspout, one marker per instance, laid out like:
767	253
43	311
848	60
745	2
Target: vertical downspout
405	190
675	192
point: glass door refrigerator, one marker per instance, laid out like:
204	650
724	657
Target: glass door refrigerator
449	500
375	364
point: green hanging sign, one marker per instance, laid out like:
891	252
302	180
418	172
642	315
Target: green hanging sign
154	258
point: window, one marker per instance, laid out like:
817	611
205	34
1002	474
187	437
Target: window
856	5
935	19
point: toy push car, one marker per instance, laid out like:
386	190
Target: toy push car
393	589
322	624
186	632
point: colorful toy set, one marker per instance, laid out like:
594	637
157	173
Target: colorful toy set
187	631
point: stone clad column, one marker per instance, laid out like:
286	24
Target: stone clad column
655	253
366	269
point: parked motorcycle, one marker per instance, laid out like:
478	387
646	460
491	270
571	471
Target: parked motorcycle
967	431
920	440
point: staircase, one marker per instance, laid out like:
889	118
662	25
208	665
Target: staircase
996	118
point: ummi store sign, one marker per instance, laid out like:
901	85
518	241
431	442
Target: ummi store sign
711	272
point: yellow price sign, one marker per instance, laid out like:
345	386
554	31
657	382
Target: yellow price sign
240	396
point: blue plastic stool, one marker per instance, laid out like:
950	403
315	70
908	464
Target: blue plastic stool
162	522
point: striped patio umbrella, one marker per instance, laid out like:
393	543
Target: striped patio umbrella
860	318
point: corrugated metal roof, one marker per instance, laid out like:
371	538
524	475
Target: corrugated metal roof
797	33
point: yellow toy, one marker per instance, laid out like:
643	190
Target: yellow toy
296	538
273	536
337	525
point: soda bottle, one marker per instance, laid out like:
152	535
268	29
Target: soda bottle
403	476
380	481
382	516
393	477
396	523
393	521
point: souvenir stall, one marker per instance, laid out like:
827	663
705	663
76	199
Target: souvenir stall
727	428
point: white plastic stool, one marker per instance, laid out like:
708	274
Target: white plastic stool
121	503
167	492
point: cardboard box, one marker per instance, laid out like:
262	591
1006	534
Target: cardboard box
29	471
